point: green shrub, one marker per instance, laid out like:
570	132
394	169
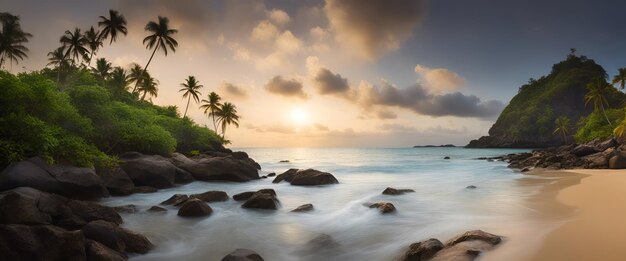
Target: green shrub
595	125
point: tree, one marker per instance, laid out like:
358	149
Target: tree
93	42
135	74
191	88
227	115
116	23
161	38
211	106
148	86
118	81
562	125
58	59
599	89
620	78
12	39
75	45
102	70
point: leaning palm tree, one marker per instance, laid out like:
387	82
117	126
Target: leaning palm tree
227	115
191	88
211	106
58	59
562	127
76	45
620	78
12	39
93	42
148	86
135	75
102	70
116	23
599	89
161	38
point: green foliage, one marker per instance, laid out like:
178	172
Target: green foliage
595	125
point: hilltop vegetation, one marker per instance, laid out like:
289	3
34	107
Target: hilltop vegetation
530	119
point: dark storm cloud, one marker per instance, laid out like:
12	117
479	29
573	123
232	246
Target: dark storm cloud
285	87
375	26
327	82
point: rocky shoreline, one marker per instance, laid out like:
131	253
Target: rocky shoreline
42	203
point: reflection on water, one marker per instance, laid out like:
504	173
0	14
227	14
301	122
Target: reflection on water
441	206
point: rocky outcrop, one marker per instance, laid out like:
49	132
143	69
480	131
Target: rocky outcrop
99	252
306	177
234	167
304	208
383	207
194	208
211	196
262	199
40	242
464	247
149	170
72	182
116	238
116	181
243	255
394	191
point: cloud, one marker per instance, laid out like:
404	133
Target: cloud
385	115
373	26
233	91
265	32
278	16
328	82
321	127
439	79
286	42
285	87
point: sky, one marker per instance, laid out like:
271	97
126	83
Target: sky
345	73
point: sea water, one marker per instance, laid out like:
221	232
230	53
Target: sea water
441	206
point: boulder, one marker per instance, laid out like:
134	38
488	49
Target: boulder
126	209
446	157
584	150
149	170
211	196
322	243
262	201
610	143
618	161
117	238
228	168
182	177
597	160
474	187
144	189
100	252
271	174
156	209
40	242
423	250
475	235
116	181
243	195
194	208
176	199
307	177
68	181
243	255
384	207
393	191
303	208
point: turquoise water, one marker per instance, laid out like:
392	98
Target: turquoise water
441	207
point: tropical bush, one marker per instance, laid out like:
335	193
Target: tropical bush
595	125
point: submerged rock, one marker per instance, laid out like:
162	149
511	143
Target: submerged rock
126	209
242	254
423	250
306	177
156	209
211	196
261	200
384	207
303	208
471	187
194	208
176	199
393	191
464	247
475	235
446	157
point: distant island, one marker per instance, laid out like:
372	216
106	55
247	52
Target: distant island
435	146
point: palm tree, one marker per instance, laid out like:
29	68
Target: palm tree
620	78
58	59
135	74
118	81
191	88
212	105
161	38
148	86
12	39
75	44
227	115
599	89
93	42
116	23
562	126
102	70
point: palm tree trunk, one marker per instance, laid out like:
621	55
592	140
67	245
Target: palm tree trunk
146	68
1	62
144	95
605	116
186	108
214	124
90	57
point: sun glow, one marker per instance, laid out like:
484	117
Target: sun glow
299	116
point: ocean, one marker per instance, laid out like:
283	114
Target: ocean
441	206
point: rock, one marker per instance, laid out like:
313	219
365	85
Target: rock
16	208
423	250
175	199
267	191
117	238
303	208
68	181
194	208
393	191
322	243
610	143
307	177
261	201
446	157
471	187
182	177
243	195
618	161
156	209
475	235
116	181
271	174
263	177
211	196
584	150
384	207
40	242
149	170
100	252
144	189
227	168
597	160
126	209
243	255
283	161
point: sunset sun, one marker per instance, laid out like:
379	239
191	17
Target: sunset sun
299	116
